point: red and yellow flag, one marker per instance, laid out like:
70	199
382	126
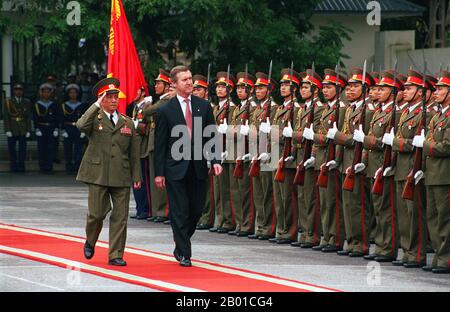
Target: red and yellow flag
123	61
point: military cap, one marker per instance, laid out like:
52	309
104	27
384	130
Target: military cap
163	76
331	77
286	76
414	78
18	86
200	81
376	78
356	75
222	79
431	82
387	79
312	77
402	78
242	80
46	86
108	85
444	79
262	79
72	86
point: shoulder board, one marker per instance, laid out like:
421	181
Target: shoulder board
342	104
296	105
125	116
319	104
371	107
232	104
273	103
253	104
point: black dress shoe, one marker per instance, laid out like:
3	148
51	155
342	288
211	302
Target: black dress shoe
117	262
253	236
265	237
307	245
441	270
160	219
427	268
167	222
355	254
223	230
243	234
88	250
213	229
343	252
383	259
283	241
177	255
150	219
318	247
273	240
234	232
203	227
296	244
185	262
413	264
398	262
133	216
330	248
370	256
142	217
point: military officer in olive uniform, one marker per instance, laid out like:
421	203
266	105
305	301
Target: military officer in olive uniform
437	152
17	123
262	184
46	116
285	192
158	197
223	112
109	167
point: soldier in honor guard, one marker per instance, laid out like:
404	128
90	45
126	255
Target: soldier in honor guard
308	193
109	167
432	106
200	89
285	193
436	150
411	214
223	112
141	125
46	116
17	122
356	213
240	186
74	140
262	182
158	197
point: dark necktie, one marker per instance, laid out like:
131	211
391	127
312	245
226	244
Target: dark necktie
112	120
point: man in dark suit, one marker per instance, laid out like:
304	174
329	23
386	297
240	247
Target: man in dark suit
180	164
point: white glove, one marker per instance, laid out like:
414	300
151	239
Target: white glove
289	158
418	176
379	171
308	133
310	162
64	134
245	129
264	157
359	167
8	134
386	171
388	138
224	155
55	133
28	134
332	164
359	135
38	133
332	131
99	100
419	139
246	157
287	131
135	122
223	127
265	126
82	135
148	99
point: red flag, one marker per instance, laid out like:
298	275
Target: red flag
123	61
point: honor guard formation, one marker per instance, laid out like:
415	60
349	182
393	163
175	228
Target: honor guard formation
361	159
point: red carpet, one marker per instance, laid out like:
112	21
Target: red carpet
146	268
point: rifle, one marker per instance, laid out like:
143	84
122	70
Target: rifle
299	178
238	172
255	165
322	180
409	188
378	185
211	169
279	174
349	182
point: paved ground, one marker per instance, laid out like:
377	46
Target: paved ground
57	203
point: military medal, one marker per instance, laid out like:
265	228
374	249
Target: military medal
100	127
125	131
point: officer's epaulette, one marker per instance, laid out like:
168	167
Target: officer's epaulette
232	104
296	104
371	107
273	103
319	104
253	103
125	116
342	104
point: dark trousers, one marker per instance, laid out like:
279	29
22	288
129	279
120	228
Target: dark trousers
142	195
46	148
186	202
73	149
17	160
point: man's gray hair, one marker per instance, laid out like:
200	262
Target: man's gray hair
177	69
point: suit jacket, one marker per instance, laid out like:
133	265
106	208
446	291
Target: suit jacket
170	116
17	116
112	156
